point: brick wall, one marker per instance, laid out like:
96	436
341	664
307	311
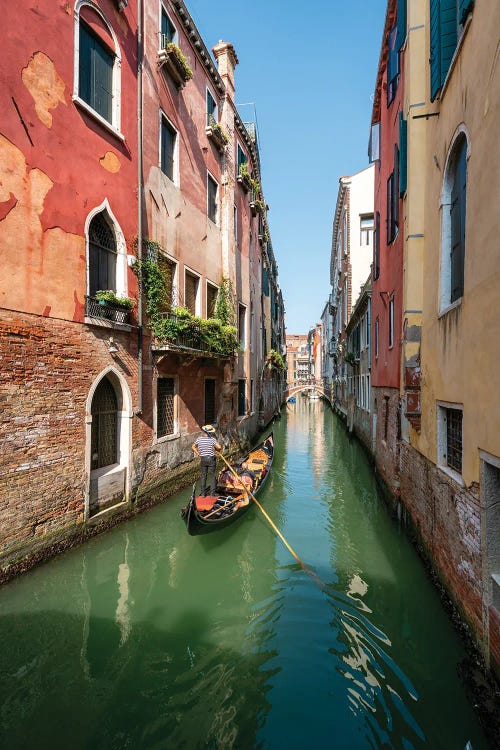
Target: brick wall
448	523
385	404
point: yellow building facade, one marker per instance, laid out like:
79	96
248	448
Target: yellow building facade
450	451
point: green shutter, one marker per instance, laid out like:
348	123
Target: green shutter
401	24
464	8
443	40
403	154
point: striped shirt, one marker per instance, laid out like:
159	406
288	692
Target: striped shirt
206	445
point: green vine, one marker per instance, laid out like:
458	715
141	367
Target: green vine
276	360
218	334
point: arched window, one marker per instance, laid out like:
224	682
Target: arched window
102	255
97	65
104	438
454	201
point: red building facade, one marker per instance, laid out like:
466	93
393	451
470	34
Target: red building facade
387	270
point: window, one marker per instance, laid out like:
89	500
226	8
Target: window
168	269
374	143
241	398
241	326
212	292
104	434
392	66
377	326
168	30
453	224
191	284
252	396
168	147
393	200
447	18
102	255
165	407
391	322
97	64
450	437
376	247
366	229
212	111
241	158
210	410
95	73
212	195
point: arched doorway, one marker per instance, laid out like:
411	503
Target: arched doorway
109	418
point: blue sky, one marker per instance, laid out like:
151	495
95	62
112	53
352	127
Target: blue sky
310	70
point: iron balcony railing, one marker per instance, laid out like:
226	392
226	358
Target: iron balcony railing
193	338
98	308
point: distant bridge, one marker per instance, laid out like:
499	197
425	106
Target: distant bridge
301	386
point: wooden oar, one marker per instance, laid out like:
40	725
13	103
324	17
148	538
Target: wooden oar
278	532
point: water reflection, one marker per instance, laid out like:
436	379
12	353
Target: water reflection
149	638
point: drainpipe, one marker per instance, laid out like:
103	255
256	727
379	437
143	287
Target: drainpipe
138	411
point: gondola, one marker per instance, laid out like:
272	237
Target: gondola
233	496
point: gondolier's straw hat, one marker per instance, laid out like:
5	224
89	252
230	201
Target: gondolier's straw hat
209	429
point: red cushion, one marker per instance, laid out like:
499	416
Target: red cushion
205	503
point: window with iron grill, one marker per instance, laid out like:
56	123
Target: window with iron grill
102	252
191	292
104	434
165	421
211	300
210	415
454	439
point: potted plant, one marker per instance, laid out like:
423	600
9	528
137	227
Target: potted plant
244	177
176	63
216	133
107	296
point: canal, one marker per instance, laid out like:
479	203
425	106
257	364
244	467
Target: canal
148	638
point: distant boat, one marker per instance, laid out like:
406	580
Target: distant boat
313	396
292	400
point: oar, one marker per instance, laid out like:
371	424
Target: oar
278	532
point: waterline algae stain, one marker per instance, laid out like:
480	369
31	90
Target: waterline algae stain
150	638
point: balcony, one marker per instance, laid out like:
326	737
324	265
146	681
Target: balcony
215	133
103	310
171	59
195	337
244	178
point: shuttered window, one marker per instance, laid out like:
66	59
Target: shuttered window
211	300
167	268
403	155
457	214
165	404
211	199
401	24
102	255
443	40
168	143
95	73
376	247
392	66
210	414
191	292
104	431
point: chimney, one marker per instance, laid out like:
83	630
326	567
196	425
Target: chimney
226	63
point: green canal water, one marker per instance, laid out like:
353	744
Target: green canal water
148	638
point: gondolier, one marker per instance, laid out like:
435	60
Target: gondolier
205	446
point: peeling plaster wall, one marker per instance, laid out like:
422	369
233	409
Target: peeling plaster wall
57	163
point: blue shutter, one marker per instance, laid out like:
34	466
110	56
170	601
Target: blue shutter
403	154
401	24
443	40
464	8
